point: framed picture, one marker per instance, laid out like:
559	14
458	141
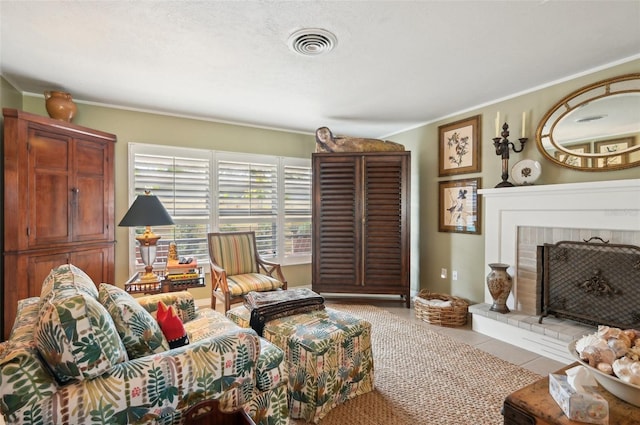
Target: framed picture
459	147
576	161
459	206
612	146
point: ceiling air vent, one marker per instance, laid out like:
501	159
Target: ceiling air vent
312	41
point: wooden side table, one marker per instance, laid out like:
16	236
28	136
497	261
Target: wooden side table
135	286
207	412
533	405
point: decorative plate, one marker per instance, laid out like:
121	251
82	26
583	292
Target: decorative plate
526	171
616	386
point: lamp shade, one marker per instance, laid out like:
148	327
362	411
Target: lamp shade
146	210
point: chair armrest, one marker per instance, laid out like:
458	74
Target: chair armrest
218	277
270	268
26	317
159	385
24	379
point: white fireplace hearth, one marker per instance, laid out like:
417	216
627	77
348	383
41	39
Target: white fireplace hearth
519	218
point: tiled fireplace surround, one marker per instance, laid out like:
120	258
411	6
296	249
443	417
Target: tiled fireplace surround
520	218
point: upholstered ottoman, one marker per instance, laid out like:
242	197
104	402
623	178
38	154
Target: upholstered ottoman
328	353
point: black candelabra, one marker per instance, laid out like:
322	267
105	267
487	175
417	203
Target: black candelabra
503	145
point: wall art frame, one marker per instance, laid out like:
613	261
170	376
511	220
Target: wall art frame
459	147
611	146
459	206
577	161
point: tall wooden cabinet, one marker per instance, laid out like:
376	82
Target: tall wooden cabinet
361	239
58	204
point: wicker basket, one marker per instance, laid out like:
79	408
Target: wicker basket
454	315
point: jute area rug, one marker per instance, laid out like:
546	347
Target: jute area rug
424	378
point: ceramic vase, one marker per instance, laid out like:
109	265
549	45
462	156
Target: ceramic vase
499	282
60	105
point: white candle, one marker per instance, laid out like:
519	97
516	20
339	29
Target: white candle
524	123
498	125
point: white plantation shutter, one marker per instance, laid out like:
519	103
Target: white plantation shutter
207	191
183	185
297	208
248	198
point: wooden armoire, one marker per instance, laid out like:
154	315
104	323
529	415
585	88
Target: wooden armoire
361	235
58	204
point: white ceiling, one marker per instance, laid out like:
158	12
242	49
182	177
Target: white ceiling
396	65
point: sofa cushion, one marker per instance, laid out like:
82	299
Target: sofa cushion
67	277
245	283
181	300
209	323
138	330
77	338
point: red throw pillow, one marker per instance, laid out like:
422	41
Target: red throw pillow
171	326
161	314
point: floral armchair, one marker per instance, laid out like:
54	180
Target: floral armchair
79	355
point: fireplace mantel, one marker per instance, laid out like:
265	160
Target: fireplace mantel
604	205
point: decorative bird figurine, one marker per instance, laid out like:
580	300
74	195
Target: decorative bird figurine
327	142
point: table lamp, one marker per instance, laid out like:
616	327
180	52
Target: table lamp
147	210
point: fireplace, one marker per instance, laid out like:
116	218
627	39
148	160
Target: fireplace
593	282
517	221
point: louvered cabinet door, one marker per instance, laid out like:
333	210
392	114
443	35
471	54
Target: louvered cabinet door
336	223
385	239
361	223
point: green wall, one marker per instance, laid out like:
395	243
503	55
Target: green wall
431	250
9	96
465	253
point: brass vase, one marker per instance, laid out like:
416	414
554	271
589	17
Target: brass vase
499	282
60	105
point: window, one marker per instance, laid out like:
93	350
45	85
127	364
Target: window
207	190
248	198
297	209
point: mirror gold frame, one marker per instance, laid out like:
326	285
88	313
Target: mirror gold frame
595	128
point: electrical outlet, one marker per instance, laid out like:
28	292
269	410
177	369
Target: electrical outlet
454	275
443	273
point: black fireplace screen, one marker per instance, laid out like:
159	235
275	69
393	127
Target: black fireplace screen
591	282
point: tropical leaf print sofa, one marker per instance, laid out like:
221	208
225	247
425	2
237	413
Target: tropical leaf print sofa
78	354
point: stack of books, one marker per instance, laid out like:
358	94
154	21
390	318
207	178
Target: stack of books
183	273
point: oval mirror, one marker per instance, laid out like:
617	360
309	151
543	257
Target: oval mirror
595	128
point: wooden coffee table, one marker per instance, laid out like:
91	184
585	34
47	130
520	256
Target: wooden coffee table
533	405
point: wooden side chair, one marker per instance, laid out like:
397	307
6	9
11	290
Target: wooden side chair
237	268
